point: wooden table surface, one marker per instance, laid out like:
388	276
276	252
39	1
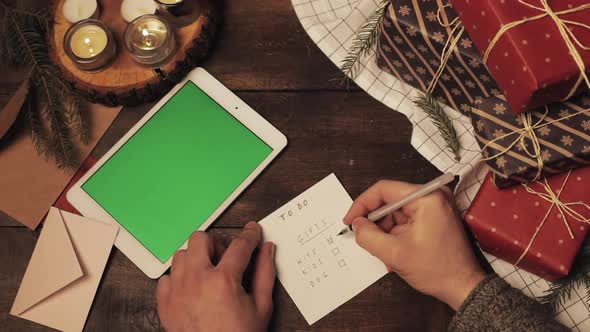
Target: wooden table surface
265	56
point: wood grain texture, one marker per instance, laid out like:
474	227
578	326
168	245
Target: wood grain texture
264	55
125	301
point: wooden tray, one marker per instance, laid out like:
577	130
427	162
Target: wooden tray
126	82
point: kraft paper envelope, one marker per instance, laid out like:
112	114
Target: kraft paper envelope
63	274
30	183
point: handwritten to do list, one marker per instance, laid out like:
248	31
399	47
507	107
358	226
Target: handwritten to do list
319	270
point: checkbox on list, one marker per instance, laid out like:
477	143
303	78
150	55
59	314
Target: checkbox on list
335	251
342	263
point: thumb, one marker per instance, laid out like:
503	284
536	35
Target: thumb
264	280
374	240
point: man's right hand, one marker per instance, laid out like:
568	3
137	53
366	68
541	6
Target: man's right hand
424	242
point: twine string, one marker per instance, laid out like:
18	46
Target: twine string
448	49
565	209
563	25
528	130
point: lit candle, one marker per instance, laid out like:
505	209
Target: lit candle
132	9
77	10
150	40
90	45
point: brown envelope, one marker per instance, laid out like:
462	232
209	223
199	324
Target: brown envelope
63	274
29	183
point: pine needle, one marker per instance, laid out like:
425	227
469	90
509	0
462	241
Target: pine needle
443	123
560	291
54	111
364	40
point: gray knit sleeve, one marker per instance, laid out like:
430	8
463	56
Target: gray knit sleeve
495	306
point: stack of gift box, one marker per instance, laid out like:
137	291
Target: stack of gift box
520	70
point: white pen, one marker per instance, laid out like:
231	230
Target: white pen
424	190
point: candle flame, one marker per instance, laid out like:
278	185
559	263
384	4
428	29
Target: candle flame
87	41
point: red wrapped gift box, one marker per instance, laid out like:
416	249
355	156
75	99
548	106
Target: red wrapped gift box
531	62
505	222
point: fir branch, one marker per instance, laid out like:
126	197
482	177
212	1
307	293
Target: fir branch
443	123
54	111
364	40
561	290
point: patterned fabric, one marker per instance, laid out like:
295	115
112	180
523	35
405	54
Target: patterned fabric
495	306
564	145
331	24
410	45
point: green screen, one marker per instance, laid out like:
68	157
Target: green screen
176	170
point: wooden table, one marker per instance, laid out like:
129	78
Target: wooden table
265	56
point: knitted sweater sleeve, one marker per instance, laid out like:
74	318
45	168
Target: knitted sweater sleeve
495	306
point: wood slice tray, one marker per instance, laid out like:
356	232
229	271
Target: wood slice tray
126	82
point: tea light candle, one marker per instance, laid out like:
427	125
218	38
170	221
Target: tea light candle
90	45
132	9
150	40
77	10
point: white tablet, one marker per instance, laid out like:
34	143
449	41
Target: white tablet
177	169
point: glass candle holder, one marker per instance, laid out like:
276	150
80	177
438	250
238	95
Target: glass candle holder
90	45
150	40
174	7
179	12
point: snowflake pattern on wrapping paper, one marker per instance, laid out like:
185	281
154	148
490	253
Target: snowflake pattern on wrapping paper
496	92
545	155
386	48
586	149
445	77
412	31
387	23
567	140
478	100
431	16
501	161
470	84
456	91
544	131
460	70
474	63
465	108
479	124
434	62
421	70
586	125
499	133
466	42
428	149
438	36
398	63
486	78
408	77
521	169
410	55
404	10
500	109
398	39
422	48
563	113
522	146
